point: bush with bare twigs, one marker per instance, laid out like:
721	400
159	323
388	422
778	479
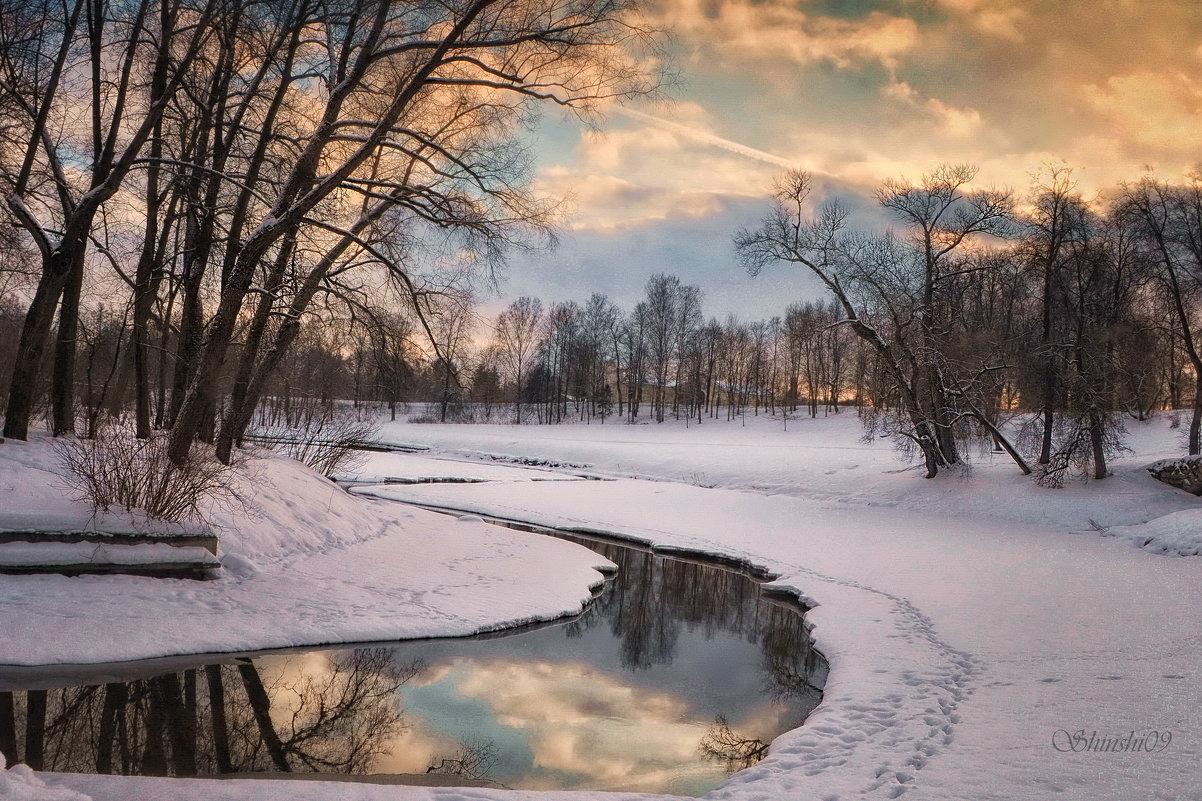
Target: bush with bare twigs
325	441
115	469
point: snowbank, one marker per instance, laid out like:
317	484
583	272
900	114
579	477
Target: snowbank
19	783
304	564
1174	534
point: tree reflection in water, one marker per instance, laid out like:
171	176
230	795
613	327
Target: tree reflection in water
223	719
647	615
697	642
658	595
738	752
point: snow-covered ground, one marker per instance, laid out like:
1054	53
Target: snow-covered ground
974	624
304	563
827	461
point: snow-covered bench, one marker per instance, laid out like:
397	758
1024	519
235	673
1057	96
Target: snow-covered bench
75	551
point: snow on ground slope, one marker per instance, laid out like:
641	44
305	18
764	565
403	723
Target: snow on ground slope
976	643
958	648
827	461
305	563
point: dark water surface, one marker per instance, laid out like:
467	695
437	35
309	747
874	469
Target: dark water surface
677	675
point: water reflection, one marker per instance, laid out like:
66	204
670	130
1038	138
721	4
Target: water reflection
679	674
338	716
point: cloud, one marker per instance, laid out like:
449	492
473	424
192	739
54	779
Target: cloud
643	168
777	29
869	90
596	726
1152	111
708	138
992	17
955	122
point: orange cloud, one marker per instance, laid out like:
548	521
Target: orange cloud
781	30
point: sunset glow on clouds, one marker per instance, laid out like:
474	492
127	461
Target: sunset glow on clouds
863	90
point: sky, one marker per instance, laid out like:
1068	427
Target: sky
856	91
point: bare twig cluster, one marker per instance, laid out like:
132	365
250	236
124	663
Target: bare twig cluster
116	470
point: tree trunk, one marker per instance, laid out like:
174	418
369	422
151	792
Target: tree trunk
189	345
1045	446
1096	443
260	704
221	732
35	729
8	728
1049	368
31	348
1195	423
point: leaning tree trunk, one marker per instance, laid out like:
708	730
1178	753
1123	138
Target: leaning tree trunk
242	402
260	704
31	348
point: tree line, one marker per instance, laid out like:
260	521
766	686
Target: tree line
1033	324
662	359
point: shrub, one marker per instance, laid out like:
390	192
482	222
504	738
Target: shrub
115	469
325	442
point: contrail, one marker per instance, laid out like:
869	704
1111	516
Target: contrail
709	139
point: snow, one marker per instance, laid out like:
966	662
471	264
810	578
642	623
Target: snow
131	788
34	497
18	554
19	783
305	563
380	468
825	460
1178	534
966	620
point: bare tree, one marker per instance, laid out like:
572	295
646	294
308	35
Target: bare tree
893	292
517	339
1168	220
75	81
400	92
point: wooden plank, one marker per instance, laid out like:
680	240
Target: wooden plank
208	541
181	570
